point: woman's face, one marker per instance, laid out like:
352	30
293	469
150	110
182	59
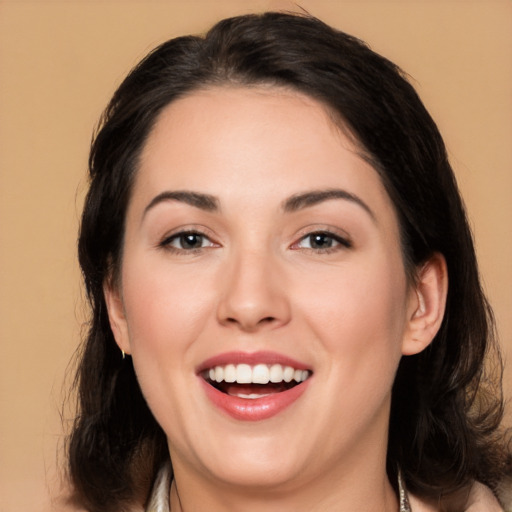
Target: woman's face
259	245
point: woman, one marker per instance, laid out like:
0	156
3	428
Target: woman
286	306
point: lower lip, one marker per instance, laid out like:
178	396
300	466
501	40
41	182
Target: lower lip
254	409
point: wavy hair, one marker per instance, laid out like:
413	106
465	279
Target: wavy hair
446	407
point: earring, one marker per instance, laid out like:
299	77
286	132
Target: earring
122	352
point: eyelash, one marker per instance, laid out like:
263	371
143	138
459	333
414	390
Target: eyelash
166	243
337	242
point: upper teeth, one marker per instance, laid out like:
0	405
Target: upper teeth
259	374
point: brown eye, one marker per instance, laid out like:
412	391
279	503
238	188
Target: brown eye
187	241
190	241
322	241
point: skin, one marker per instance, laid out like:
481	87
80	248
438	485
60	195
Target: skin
477	499
257	283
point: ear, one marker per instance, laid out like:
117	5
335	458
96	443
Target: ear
427	304
116	314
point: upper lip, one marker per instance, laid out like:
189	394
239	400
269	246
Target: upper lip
252	359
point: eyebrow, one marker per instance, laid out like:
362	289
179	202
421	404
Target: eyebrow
294	203
314	197
204	202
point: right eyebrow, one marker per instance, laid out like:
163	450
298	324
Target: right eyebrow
313	197
202	201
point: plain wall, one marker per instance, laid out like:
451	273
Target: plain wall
60	61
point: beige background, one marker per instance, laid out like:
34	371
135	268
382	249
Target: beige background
60	62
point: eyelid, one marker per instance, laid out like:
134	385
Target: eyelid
164	241
339	235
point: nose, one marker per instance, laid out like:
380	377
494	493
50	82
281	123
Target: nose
254	294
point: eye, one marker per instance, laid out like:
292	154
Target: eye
187	241
322	241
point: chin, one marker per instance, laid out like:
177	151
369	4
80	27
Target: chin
252	461
257	475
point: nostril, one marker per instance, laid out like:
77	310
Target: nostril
250	325
266	320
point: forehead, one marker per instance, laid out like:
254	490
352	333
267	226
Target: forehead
211	114
231	129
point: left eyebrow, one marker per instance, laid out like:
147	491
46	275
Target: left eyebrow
202	201
314	197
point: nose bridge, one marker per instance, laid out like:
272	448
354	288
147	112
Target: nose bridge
253	294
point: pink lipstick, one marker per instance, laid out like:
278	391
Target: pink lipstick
253	386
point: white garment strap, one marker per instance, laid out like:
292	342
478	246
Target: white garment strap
159	500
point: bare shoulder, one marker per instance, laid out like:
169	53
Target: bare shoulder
479	499
422	505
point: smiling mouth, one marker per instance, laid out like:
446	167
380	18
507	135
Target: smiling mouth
254	381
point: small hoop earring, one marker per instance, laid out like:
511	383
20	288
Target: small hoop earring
122	352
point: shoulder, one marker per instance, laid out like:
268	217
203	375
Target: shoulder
479	499
421	505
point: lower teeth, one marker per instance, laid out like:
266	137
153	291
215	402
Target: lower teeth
251	396
252	391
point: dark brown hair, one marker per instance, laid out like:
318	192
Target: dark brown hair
445	408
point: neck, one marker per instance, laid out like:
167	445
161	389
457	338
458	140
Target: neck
363	489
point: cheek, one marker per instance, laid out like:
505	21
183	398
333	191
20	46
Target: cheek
360	318
166	313
165	310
